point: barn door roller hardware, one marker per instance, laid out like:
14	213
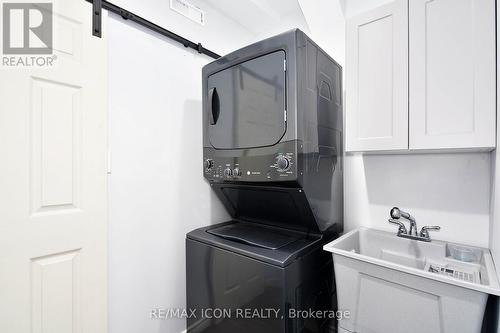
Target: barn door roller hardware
96	18
98	5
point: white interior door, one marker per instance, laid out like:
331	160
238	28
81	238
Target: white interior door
53	184
377	79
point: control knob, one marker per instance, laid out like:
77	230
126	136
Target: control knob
236	172
209	164
283	163
228	172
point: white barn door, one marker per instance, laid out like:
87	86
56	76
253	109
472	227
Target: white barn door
53	198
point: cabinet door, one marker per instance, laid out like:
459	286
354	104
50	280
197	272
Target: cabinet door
377	79
452	74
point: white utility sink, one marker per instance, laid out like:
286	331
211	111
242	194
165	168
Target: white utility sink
392	284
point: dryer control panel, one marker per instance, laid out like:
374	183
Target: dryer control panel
273	164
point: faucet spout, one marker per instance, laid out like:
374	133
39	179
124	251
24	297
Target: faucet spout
397	213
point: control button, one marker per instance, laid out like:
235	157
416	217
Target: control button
228	172
209	164
283	163
236	172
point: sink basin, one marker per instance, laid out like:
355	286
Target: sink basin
387	282
385	246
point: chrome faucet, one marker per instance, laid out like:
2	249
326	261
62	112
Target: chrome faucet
397	213
423	235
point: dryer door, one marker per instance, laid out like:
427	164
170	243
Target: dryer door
246	103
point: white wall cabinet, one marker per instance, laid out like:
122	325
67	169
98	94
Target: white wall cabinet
448	79
452	74
377	79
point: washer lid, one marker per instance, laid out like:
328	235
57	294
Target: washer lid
257	235
282	256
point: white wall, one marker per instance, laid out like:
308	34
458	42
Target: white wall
325	19
495	230
220	33
156	189
264	18
495	198
450	190
495	225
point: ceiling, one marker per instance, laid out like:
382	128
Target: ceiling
263	17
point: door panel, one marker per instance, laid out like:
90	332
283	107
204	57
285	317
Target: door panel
452	74
377	79
53	184
246	103
55	146
55	282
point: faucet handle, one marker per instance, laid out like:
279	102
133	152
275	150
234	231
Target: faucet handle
424	232
402	227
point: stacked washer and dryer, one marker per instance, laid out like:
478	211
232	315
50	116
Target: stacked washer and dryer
272	148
